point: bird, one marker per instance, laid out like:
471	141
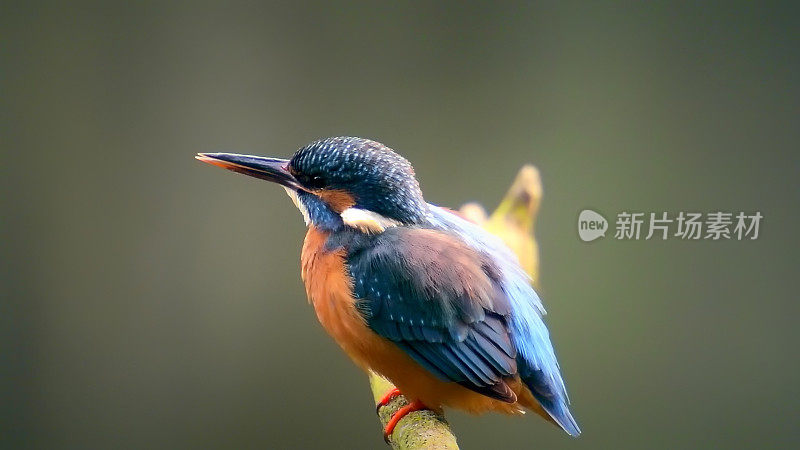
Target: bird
413	291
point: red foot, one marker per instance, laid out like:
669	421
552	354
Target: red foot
387	398
416	405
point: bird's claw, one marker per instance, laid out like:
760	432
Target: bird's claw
394	392
416	405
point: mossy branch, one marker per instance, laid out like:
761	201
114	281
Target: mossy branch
513	221
422	429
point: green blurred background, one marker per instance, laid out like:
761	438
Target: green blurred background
150	301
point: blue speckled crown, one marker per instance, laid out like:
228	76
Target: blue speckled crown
379	179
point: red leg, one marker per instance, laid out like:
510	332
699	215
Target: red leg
416	405
388	397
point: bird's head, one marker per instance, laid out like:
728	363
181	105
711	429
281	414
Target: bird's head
340	181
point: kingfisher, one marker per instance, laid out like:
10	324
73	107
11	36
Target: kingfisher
413	291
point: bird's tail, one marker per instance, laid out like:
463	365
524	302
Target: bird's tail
552	401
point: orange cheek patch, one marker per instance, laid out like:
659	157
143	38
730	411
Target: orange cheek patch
338	200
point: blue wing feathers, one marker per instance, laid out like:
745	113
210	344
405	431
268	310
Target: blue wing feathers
431	335
476	365
498	338
431	361
490	353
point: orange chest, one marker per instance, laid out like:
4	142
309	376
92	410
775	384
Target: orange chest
329	289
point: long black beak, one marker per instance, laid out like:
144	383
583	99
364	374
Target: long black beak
270	169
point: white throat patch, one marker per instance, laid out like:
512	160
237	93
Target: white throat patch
293	195
367	221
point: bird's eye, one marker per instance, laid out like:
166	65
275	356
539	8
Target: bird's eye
311	181
316	182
